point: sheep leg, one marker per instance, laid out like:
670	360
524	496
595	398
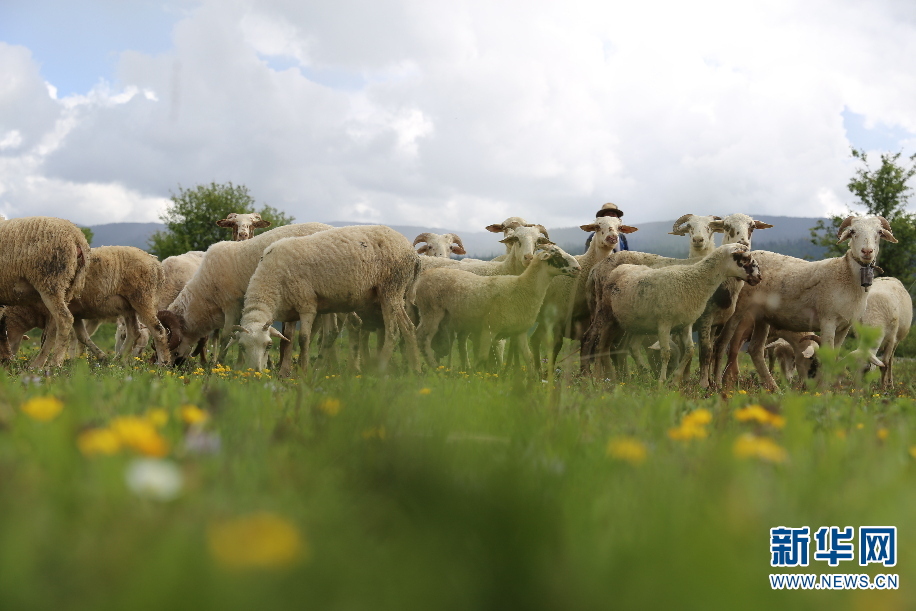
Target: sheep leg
390	316
664	342
887	357
741	328
706	347
306	319
286	349
723	341
683	367
429	325
146	313
485	341
80	329
463	350
535	345
353	324
231	317
756	350
62	320
130	326
409	333
525	356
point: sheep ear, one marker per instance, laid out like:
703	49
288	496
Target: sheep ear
627	229
261	224
422	250
887	235
275	333
589	228
847	233
240	329
809	351
458	250
683	232
497	228
717	226
509	240
543	255
761	225
225	223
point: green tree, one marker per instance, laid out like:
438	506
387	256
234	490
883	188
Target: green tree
190	220
88	233
882	191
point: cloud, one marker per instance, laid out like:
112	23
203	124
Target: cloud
458	114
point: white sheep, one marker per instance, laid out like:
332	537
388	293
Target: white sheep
488	307
889	309
214	296
439	245
638	299
362	268
243	225
794	352
43	260
820	296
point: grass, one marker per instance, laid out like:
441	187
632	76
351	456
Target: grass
443	491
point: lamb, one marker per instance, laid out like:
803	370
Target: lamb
821	296
890	309
795	353
243	225
363	268
214	296
488	307
439	245
564	304
122	281
645	300
44	260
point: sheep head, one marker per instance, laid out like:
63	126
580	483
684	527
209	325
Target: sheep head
522	241
865	234
607	230
747	268
558	259
243	225
174	328
738	228
435	245
700	229
510	223
255	340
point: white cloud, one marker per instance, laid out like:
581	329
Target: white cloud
461	113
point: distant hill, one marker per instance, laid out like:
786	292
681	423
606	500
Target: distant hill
789	236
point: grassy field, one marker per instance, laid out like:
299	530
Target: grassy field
141	488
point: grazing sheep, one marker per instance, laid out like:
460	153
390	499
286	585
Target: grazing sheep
890	309
821	296
243	225
439	245
363	268
488	307
43	260
645	300
564	304
214	296
795	353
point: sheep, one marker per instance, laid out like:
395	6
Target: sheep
363	268
488	307
701	230
520	241
442	246
821	296
243	225
890	309
564	304
213	298
642	300
795	353
44	260
121	281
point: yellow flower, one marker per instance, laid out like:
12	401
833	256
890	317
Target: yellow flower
742	392
628	449
140	435
687	431
43	408
158	416
330	406
698	416
883	433
424	391
192	414
757	413
860	426
98	441
257	541
764	448
913	451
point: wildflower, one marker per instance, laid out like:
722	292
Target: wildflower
627	449
330	406
742	392
98	441
693	426
699	417
159	480
140	435
258	541
764	448
883	433
192	414
157	416
424	391
44	409
757	413
860	426
913	451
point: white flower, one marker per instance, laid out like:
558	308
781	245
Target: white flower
155	479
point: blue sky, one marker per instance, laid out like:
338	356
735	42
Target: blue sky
449	113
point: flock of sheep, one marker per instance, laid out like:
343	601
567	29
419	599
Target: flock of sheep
370	278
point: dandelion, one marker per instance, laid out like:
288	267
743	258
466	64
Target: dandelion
742	392
44	409
757	413
424	391
764	448
627	449
98	441
159	480
191	414
913	451
157	416
331	407
883	433
693	426
258	541
140	435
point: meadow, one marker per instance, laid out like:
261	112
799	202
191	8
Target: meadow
138	487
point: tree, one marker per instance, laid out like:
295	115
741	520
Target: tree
884	192
190	220
88	233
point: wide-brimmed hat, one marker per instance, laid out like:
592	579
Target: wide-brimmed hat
609	210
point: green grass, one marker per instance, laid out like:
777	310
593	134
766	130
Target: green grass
445	491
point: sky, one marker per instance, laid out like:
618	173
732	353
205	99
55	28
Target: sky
450	113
